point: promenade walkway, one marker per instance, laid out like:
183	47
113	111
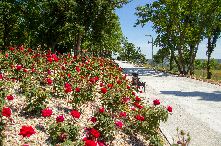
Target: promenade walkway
196	104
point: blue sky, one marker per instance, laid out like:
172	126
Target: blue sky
136	35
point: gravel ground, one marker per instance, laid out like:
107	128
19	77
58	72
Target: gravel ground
196	104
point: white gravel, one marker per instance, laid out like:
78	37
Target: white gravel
196	104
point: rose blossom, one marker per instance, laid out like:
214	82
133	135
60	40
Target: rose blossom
94	132
101	110
123	114
169	109
90	143
156	102
75	114
60	119
78	90
10	97
6	55
138	99
119	124
93	119
49	81
104	90
46	113
101	84
26	131
63	136
6	112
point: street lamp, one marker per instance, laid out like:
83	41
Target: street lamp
152	50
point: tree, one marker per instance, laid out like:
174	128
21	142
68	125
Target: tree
186	21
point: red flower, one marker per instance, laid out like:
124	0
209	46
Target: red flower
140	118
169	109
77	68
29	50
122	114
11	48
10	97
20	48
104	90
128	87
18	67
6	112
96	79
90	143
26	131
49	60
133	93
24	70
68	90
63	67
67	85
65	62
93	119
63	136
49	81
140	91
94	132
6	55
78	90
101	110
156	102
119	124
101	84
46	113
138	99
110	85
75	114
60	119
91	80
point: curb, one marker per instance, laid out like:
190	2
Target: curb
167	135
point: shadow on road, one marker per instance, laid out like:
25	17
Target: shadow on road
216	96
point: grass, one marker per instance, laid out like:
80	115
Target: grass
199	74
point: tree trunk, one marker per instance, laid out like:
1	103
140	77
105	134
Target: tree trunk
208	61
171	59
77	48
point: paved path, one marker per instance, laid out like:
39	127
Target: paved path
196	105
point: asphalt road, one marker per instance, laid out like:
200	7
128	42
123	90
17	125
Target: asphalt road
196	104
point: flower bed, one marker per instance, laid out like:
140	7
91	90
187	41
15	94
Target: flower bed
52	99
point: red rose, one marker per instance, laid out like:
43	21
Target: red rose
11	48
63	136
93	119
77	90
6	112
156	102
26	131
6	55
90	143
94	132
96	79
101	110
77	68
75	114
24	70
18	67
119	124
46	113
101	84
67	85
169	109
68	90
122	114
65	62
133	93
140	118
60	119
138	99
104	90
140	91
110	85
29	50
128	87
49	81
20	48
10	97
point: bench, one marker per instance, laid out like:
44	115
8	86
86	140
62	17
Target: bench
136	81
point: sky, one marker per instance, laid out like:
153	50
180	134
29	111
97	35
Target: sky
136	35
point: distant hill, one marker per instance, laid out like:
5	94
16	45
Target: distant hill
218	60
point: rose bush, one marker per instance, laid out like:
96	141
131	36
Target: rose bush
79	80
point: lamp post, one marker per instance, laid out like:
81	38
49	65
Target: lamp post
152	50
